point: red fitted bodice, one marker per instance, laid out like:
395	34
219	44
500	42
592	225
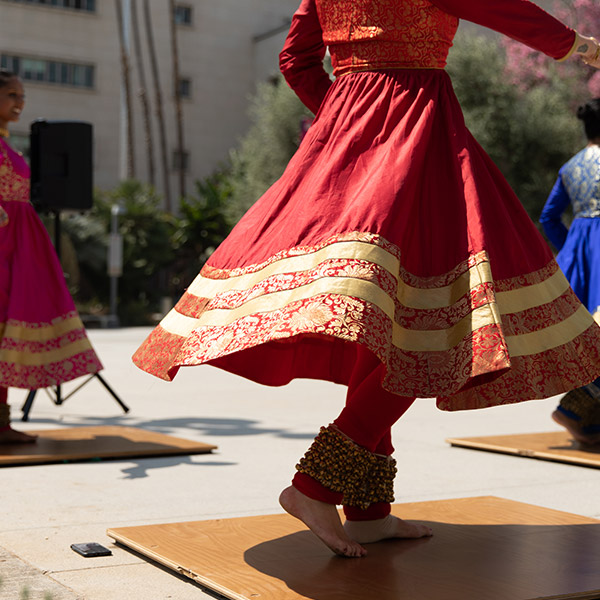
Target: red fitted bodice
383	34
14	175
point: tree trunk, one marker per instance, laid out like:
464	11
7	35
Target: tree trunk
159	106
130	170
143	93
177	95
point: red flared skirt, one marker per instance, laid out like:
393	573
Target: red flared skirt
391	229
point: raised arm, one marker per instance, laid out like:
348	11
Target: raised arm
301	60
525	22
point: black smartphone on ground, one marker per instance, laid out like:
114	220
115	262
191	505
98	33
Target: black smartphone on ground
91	549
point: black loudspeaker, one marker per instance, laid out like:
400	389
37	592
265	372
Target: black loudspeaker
61	165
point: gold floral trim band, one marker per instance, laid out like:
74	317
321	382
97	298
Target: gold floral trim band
38	355
463	337
358	270
40	332
43	358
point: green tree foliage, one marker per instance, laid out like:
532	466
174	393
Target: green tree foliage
200	228
162	253
528	132
276	116
147	251
83	242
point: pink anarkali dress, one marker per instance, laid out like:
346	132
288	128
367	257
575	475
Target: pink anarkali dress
42	340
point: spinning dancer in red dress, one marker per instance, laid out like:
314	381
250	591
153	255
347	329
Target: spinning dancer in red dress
391	257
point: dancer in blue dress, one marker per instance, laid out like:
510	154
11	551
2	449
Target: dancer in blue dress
578	185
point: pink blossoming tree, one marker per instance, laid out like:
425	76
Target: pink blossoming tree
527	68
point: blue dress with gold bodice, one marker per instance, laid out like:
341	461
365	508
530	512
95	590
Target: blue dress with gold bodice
578	185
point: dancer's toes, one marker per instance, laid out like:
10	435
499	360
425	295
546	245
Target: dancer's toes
323	520
390	527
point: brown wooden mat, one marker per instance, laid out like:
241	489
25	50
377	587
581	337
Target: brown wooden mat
556	445
84	443
483	548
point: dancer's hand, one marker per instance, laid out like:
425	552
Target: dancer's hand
589	50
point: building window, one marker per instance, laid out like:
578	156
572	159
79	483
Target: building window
183	14
87	5
49	71
180	160
185	87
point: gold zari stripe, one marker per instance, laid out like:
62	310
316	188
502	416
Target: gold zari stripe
416	340
426	298
41	334
412	297
204	287
550	337
441	340
44	358
443	297
515	301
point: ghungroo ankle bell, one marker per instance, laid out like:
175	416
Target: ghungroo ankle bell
583	406
342	466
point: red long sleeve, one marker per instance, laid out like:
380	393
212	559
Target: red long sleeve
521	20
301	60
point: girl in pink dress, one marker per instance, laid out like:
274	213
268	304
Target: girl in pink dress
42	340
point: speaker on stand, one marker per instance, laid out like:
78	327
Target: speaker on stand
61	179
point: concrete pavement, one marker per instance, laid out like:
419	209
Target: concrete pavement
260	432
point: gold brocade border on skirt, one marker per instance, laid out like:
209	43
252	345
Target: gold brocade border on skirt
259	292
40	344
311	290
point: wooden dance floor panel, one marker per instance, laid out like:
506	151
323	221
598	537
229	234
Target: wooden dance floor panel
486	548
85	443
558	446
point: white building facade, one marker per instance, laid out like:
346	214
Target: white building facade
68	54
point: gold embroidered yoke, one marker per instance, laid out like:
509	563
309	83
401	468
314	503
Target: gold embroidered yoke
385	34
14	183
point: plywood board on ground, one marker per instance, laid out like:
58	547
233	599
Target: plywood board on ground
556	445
84	443
486	548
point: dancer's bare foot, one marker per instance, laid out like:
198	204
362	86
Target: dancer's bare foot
323	520
574	429
367	532
10	436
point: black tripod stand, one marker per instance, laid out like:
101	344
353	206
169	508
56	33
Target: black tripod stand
56	394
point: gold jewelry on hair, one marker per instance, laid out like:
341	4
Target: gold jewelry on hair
4	132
